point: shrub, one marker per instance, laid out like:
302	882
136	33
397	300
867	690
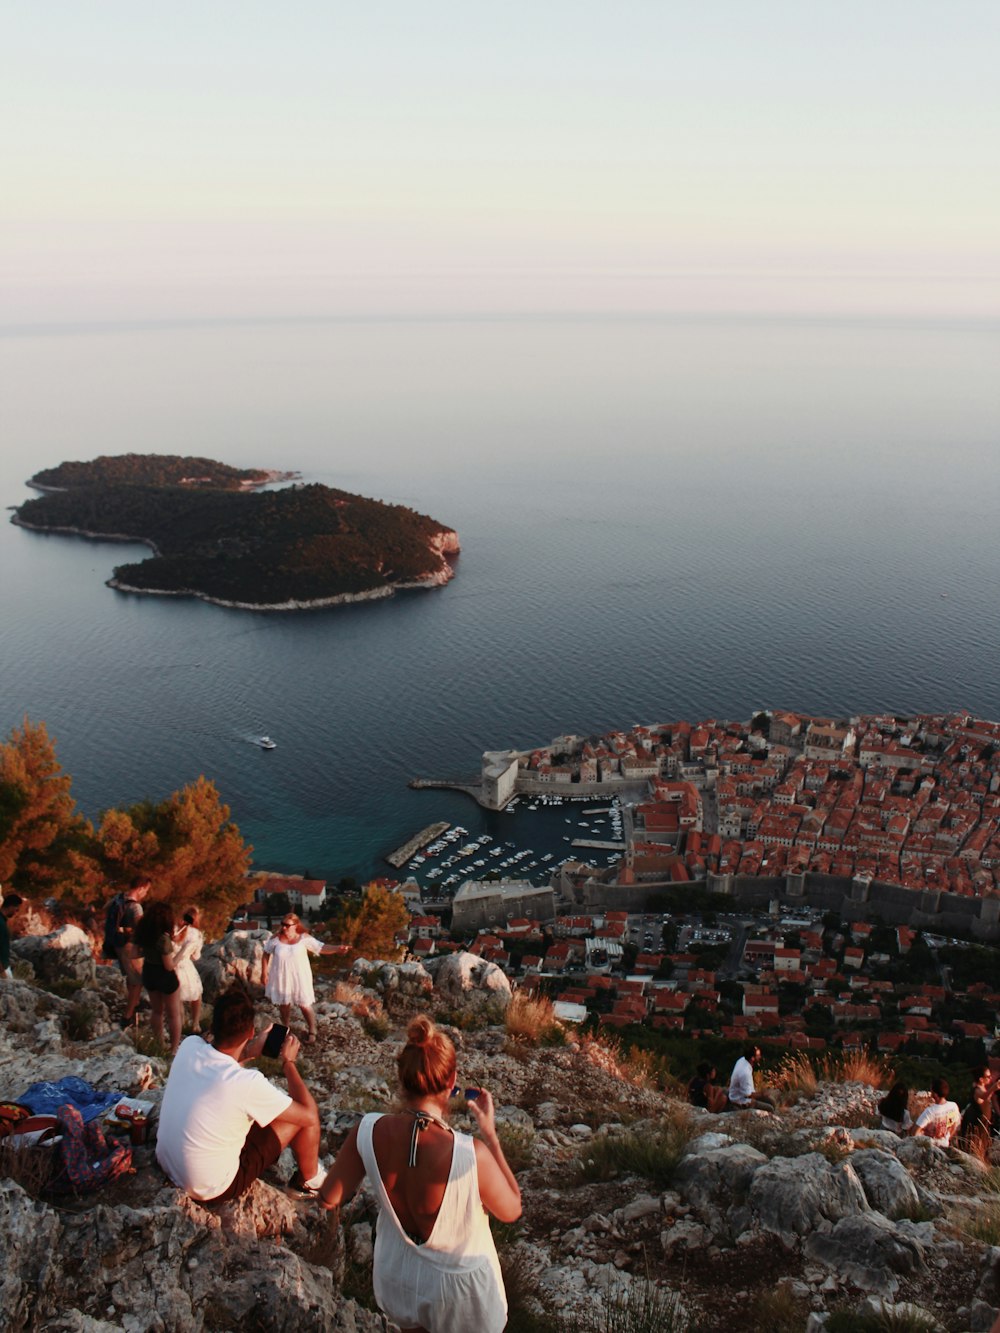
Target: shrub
640	1308
983	1221
889	1319
779	1311
64	987
531	1019
377	1026
653	1156
518	1144
81	1021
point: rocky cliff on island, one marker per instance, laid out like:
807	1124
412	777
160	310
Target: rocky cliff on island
640	1212
215	535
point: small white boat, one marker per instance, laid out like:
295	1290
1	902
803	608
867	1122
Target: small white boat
266	743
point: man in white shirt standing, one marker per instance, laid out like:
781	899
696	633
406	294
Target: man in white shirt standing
942	1118
221	1126
742	1094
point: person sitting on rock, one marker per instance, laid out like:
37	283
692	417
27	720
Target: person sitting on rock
942	1119
894	1109
703	1090
977	1118
742	1094
221	1126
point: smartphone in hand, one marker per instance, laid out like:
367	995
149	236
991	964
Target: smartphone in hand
274	1040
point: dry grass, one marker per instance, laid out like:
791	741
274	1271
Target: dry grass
778	1310
982	1220
651	1155
530	1020
857	1067
795	1077
346	992
800	1076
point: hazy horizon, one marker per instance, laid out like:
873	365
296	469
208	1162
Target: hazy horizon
239	162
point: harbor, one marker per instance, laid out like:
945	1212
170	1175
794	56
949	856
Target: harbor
419	840
531	839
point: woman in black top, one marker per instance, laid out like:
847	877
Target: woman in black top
154	936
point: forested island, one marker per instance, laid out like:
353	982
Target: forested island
215	535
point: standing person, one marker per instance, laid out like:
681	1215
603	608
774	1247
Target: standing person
188	940
288	976
435	1265
221	1126
154	938
123	914
742	1094
942	1119
8	908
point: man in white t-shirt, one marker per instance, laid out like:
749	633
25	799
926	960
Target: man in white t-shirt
742	1094
942	1118
221	1126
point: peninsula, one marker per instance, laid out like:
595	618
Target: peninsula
216	535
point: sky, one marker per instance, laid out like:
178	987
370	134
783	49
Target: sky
249	159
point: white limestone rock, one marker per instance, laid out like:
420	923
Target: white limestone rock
793	1197
869	1251
464	977
887	1184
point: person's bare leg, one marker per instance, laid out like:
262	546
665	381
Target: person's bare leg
310	1018
172	1005
285	1010
194	1007
156	1016
303	1141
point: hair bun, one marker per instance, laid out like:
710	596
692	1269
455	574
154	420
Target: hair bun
421	1031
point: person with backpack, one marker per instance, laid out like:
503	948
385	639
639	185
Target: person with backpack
123	915
8	908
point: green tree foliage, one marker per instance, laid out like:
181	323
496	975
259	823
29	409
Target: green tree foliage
369	924
148	470
187	844
259	547
46	846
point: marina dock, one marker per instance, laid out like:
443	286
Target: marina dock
402	854
601	846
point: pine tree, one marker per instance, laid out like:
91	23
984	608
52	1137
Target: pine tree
46	846
188	846
369	925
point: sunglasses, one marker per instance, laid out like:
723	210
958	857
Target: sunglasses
471	1094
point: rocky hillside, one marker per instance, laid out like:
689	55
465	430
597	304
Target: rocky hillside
638	1213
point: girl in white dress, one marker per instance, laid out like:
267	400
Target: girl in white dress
288	975
188	940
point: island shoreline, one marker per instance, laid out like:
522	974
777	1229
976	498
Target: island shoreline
433	580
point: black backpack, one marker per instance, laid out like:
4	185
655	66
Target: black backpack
113	937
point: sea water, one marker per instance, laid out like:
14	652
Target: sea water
660	519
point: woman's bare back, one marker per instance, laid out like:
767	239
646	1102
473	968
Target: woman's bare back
415	1192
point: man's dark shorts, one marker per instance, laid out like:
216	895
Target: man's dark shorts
261	1150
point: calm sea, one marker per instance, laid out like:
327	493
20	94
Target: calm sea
659	519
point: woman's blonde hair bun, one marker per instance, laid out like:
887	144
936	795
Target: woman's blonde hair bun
426	1063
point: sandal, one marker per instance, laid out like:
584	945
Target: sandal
309	1038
